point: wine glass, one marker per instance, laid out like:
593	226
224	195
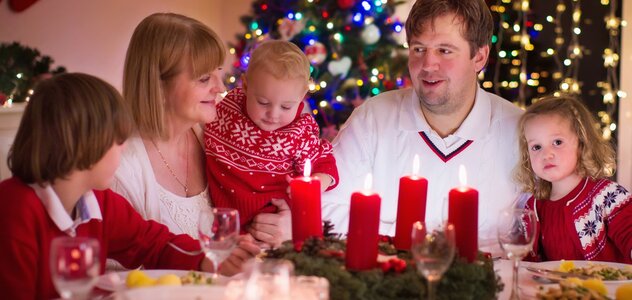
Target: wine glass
218	231
75	265
516	232
433	251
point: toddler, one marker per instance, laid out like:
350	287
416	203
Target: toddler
581	215
261	137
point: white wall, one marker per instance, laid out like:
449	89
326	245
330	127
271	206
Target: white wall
92	36
624	151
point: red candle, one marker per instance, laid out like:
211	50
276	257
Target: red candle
364	225
463	214
305	206
411	206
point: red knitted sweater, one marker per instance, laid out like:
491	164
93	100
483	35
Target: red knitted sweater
247	166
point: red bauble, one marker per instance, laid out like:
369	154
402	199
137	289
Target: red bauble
344	4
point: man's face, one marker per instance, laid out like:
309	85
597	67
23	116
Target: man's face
442	70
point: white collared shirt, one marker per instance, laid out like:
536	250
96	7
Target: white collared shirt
87	208
382	136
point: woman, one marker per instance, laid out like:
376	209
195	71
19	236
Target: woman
172	83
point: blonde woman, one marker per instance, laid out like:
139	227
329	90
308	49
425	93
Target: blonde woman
172	84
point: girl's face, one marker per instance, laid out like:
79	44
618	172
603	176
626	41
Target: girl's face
553	149
102	172
194	100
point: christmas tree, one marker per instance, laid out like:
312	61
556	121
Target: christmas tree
352	45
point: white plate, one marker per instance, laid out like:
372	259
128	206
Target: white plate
611	285
196	292
554	265
115	281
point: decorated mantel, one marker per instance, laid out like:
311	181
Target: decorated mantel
367	266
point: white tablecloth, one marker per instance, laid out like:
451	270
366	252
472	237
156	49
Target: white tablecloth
528	287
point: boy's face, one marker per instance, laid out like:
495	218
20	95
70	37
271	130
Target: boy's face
103	171
272	103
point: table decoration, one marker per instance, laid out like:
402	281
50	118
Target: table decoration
364	225
411	205
463	214
395	277
305	205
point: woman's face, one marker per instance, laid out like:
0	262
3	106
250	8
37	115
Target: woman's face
191	99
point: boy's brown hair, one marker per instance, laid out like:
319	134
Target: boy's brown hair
69	124
595	156
477	24
281	59
160	47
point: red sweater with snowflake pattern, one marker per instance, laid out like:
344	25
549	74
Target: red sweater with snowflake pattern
247	166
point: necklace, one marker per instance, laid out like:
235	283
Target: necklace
186	179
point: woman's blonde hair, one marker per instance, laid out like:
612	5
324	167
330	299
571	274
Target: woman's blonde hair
595	156
69	124
281	59
160	47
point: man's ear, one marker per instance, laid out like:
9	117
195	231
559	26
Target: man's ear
480	57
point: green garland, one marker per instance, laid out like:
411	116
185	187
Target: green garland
20	69
324	257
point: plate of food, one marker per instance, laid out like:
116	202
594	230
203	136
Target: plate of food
608	272
119	281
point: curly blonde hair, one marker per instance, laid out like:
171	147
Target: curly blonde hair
595	155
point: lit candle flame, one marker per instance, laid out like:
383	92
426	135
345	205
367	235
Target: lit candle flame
416	165
368	182
462	176
307	170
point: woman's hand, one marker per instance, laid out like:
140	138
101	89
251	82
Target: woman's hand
273	228
246	249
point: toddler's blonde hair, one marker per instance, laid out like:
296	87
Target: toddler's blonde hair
281	59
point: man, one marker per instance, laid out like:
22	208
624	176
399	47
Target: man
446	118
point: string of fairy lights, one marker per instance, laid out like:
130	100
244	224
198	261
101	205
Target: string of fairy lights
514	24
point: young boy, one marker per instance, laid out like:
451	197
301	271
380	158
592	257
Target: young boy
260	137
63	160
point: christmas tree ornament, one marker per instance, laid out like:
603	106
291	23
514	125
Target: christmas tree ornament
288	28
340	67
371	34
316	53
345	4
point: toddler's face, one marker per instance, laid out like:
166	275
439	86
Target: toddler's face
553	147
273	103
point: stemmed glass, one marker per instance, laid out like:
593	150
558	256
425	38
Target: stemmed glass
516	232
75	265
218	230
433	251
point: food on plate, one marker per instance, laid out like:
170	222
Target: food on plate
597	270
169	279
196	278
624	291
566	266
573	288
596	285
138	278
